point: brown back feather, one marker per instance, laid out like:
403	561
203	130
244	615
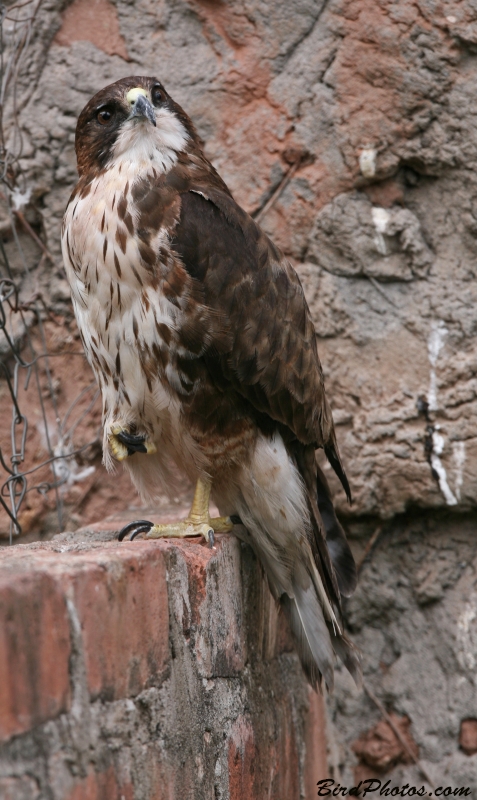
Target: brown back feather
273	361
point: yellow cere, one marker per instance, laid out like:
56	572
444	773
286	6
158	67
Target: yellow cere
133	95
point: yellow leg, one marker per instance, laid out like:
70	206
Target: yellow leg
199	512
197	523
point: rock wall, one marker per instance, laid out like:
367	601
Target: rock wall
414	618
348	126
368	109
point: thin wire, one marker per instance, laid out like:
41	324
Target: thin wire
25	362
69	432
47	461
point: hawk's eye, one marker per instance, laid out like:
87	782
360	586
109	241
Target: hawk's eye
105	115
157	95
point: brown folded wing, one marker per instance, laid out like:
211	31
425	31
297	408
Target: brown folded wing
272	360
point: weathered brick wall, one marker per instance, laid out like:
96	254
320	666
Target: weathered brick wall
149	671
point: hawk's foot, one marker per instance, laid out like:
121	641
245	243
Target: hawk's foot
124	444
177	530
198	522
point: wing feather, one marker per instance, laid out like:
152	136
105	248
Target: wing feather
273	360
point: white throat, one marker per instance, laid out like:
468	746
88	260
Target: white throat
140	144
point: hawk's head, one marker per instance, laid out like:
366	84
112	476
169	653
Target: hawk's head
132	118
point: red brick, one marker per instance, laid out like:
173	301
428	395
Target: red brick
93	21
101	786
316	763
286	765
34	652
216	607
165	780
468	736
120	596
19	789
242	762
380	749
263	757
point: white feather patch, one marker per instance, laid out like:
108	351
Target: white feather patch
117	310
139	142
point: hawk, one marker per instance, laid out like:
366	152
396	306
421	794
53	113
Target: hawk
202	343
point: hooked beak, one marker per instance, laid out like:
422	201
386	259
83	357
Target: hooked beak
143	108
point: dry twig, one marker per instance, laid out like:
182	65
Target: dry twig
278	191
381	291
398	734
26	225
372	541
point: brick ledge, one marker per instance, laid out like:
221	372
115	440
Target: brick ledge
149	670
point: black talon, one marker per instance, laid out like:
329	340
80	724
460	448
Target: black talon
235	519
211	537
142	526
141	529
134	443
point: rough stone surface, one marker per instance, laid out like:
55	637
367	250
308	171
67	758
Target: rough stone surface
414	618
181	679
